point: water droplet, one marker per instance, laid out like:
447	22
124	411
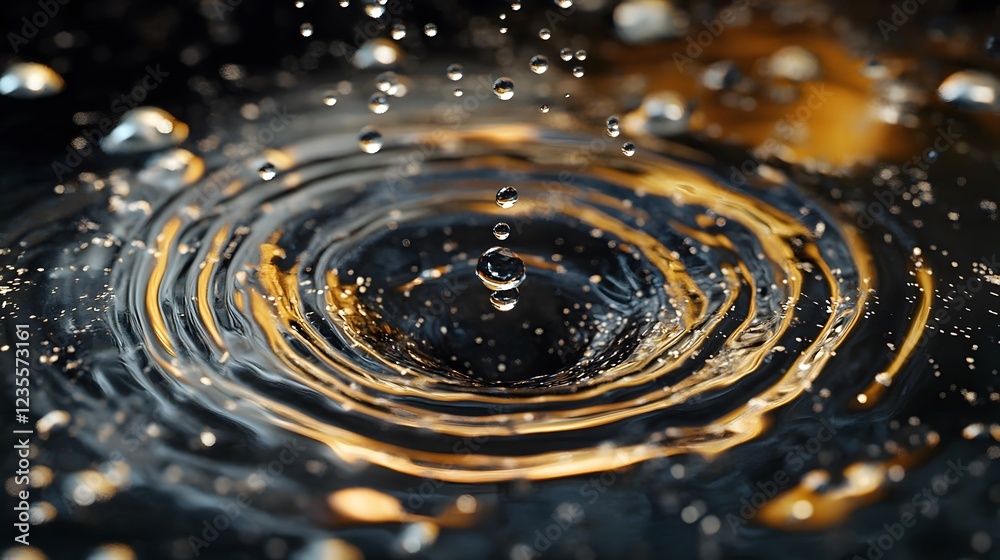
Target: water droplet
544	108
794	63
377	52
614	127
666	113
378	103
628	149
300	4
578	72
564	3
503	30
539	64
144	129
544	33
971	89
566	54
504	300
504	88
374	8
267	172
430	30
506	197
370	140
329	100
500	269
398	31
515	6
386	82
28	80
455	72
501	231
581	55
457	92
172	169
306	30
345	3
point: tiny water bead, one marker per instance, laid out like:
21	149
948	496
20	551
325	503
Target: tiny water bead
300	4
539	64
398	31
267	172
504	300
501	231
457	92
386	82
374	8
566	54
543	109
503	88
578	72
545	34
329	100
378	103
455	72
564	3
306	30
628	149
614	127
506	197
431	30
581	55
500	269
370	140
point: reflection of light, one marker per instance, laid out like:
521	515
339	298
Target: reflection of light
35	83
384	54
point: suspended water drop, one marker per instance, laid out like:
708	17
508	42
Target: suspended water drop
506	197
398	31
515	6
378	103
267	172
386	81
500	269
581	55
564	3
306	29
377	52
614	127
503	30
28	80
971	89
504	88
329	100
457	92
370	140
628	149
374	8
544	108
455	72
578	72
300	4
144	129
504	300
430	30
566	54
544	33
539	64
345	3
501	231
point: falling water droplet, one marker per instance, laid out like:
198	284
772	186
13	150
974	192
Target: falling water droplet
515	6
544	33
374	8
386	81
581	55
564	3
504	300
430	30
971	89
628	149
329	100
566	54
500	269
544	108
457	92
614	127
578	72
504	88
370	140
27	80
345	3
398	31
378	103
506	197
306	29
539	64
501	231
455	72
267	172
300	4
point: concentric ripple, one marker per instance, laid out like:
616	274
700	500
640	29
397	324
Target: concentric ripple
668	312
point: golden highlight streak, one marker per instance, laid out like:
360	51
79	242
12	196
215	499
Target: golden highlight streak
164	242
204	278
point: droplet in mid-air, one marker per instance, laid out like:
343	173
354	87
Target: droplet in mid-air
378	103
457	92
455	72
566	54
504	300
581	55
506	197
504	88
345	3
628	149
564	3
544	33
430	30
306	30
398	31
501	231
614	127
329	100
374	8
300	4
267	172
515	6
539	64
500	269
370	140
578	72
386	81
543	109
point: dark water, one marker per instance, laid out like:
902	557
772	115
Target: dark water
769	331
